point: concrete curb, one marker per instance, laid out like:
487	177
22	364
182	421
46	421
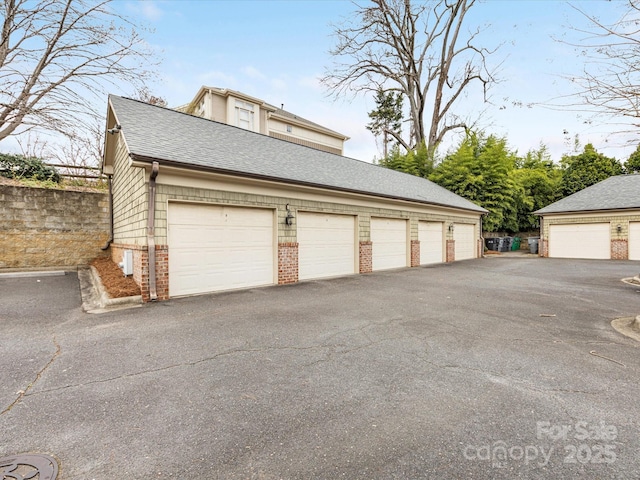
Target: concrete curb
632	281
95	298
628	326
34	273
105	299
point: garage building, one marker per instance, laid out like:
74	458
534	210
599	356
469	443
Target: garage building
203	206
599	222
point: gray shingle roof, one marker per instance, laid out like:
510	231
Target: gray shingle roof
615	193
163	134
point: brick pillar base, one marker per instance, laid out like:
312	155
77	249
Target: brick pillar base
543	248
287	263
366	259
480	248
141	268
619	250
415	253
451	251
162	272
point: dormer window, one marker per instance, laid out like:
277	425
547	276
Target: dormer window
244	115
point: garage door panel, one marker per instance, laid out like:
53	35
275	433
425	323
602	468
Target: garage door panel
389	243
634	240
326	245
586	240
465	241
214	248
431	237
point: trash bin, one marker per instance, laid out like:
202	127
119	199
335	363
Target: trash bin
533	244
504	244
515	244
491	244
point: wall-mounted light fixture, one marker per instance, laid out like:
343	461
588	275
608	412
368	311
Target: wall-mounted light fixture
288	220
451	227
619	228
115	129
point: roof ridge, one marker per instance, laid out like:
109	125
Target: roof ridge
192	145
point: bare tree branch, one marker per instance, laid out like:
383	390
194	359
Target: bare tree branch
415	49
56	53
609	83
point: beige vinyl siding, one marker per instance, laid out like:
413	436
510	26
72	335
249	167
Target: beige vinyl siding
226	190
130	199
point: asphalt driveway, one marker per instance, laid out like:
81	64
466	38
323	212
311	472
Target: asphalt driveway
492	368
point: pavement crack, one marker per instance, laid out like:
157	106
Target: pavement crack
507	379
24	393
172	366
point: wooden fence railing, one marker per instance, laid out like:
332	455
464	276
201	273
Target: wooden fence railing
78	171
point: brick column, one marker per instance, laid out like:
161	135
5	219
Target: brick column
141	268
619	250
543	248
480	247
415	253
141	271
451	251
366	259
287	263
162	272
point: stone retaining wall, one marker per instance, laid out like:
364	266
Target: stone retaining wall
43	228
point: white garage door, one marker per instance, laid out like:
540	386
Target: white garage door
389	239
219	248
465	241
634	240
583	240
430	235
326	245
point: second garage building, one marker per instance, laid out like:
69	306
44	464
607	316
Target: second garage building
204	207
599	222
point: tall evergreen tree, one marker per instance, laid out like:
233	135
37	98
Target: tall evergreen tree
586	169
632	165
481	170
386	119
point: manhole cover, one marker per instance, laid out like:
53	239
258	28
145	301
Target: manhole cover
27	467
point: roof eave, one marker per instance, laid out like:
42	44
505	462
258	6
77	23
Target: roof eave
595	210
149	160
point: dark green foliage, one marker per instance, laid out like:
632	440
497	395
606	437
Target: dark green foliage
481	170
586	169
632	165
19	166
419	163
542	184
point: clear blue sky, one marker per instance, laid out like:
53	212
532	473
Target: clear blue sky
276	50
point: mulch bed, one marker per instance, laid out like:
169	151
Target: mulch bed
113	280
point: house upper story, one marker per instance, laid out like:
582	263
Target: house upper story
244	111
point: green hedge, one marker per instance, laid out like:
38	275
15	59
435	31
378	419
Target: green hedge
19	166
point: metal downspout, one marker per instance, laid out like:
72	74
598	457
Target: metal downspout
110	239
151	239
481	237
